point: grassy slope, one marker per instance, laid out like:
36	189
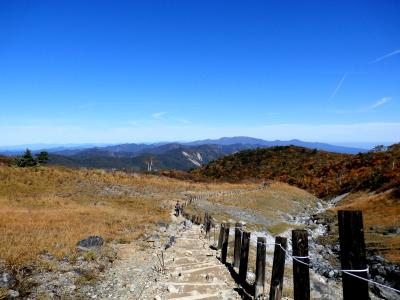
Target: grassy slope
273	203
49	209
381	213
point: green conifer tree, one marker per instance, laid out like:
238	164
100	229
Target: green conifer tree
27	160
42	157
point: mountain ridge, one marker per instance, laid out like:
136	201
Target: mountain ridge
69	149
321	173
174	155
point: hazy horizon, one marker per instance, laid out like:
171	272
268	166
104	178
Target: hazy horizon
38	146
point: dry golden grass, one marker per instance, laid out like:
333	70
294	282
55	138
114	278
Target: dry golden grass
380	212
276	197
49	209
272	202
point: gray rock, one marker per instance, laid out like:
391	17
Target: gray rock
90	243
7	280
336	248
171	241
162	225
377	259
382	270
390	268
394	230
12	294
386	293
187	224
379	279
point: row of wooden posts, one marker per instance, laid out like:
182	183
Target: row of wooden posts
353	258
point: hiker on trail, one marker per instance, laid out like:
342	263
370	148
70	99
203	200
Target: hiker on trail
177	208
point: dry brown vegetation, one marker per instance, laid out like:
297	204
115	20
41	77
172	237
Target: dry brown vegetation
323	174
272	203
49	209
381	216
276	197
6	161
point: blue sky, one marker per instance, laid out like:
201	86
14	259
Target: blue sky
145	71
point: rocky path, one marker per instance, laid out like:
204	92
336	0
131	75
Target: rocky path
194	272
187	270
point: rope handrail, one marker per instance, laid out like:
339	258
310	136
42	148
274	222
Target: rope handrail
348	272
345	271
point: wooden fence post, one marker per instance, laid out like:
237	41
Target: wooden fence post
208	225
221	235
259	285
244	257
301	272
238	245
352	254
278	269
224	251
205	223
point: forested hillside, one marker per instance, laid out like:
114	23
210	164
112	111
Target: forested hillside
322	173
161	157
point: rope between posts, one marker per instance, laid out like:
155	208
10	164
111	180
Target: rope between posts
348	272
371	281
364	270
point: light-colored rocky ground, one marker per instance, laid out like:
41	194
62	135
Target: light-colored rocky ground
187	270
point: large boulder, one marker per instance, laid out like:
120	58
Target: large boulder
90	243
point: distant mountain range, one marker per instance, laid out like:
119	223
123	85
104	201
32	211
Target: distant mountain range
19	149
180	156
146	157
263	143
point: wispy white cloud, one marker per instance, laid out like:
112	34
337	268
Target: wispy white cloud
158	115
365	109
339	85
380	102
385	56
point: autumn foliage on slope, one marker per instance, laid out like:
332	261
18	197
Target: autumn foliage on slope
321	173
